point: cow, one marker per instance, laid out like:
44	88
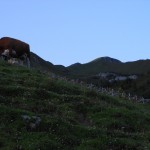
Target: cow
17	49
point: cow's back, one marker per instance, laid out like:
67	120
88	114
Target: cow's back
17	45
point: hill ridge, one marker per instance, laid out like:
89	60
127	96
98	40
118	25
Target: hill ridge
106	59
101	64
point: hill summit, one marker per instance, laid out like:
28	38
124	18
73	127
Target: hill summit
106	59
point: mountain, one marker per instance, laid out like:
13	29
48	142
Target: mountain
99	65
40	112
106	59
107	64
46	66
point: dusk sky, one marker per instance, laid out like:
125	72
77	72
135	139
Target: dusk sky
69	31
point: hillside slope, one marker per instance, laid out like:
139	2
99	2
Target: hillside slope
38	112
46	66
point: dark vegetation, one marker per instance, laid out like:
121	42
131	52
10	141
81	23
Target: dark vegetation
72	117
139	87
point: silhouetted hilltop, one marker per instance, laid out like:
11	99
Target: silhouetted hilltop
106	59
107	64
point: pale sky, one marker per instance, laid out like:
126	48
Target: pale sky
69	31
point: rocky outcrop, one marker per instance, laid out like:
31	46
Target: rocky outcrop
31	123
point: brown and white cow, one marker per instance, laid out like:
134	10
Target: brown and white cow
17	49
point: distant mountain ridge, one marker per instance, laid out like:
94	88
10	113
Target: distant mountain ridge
102	64
108	64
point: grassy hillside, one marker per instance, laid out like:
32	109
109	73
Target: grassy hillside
38	112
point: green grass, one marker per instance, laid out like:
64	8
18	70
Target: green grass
72	117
